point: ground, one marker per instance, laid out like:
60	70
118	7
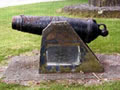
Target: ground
20	70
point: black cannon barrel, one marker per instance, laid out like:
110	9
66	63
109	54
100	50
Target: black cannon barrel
88	30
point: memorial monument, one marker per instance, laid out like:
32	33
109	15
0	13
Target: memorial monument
63	47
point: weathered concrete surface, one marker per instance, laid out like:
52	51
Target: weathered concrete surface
25	68
91	11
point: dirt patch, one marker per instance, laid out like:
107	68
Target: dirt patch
23	69
91	11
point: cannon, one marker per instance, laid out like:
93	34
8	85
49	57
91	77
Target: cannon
88	30
63	44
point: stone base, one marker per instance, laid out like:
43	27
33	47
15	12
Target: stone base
85	10
62	53
25	68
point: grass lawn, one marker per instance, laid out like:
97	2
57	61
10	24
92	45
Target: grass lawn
13	42
55	86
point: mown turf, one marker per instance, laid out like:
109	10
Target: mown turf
57	86
111	43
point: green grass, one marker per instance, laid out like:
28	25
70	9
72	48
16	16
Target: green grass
4	86
57	86
111	43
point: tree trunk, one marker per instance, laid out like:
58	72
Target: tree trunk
102	3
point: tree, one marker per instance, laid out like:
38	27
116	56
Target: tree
102	3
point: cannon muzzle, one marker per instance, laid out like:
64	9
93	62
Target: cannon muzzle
88	30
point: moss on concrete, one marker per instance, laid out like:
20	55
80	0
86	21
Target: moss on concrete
90	64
